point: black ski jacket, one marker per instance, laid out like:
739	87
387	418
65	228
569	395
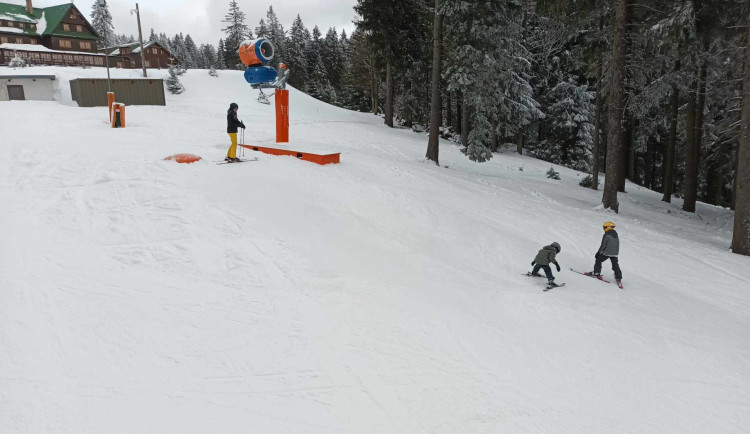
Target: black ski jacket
232	122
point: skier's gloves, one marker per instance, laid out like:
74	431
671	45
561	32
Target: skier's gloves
558	267
533	263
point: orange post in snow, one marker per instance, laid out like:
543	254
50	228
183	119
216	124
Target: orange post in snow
118	115
110	101
282	116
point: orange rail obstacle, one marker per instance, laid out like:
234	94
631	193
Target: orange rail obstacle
322	159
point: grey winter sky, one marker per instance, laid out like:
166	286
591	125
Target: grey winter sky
202	18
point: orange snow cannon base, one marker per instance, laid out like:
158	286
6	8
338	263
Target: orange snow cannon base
257	52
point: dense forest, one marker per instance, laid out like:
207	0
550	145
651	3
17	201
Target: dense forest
650	92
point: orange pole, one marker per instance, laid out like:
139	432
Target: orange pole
282	116
110	101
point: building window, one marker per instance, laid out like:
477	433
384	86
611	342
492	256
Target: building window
85	45
19	40
148	64
73	15
66	27
64	43
3	40
34	42
79	28
11	24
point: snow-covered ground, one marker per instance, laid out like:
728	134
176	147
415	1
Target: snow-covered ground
381	295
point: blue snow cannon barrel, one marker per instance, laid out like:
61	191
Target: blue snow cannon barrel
260	74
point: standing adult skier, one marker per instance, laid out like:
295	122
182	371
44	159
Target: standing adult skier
232	125
608	250
545	257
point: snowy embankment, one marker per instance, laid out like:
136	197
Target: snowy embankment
383	294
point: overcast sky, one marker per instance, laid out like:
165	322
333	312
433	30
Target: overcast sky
202	18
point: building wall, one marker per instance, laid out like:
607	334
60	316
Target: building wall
51	58
34	89
93	92
17	38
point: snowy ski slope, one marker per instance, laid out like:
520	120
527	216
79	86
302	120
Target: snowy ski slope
381	295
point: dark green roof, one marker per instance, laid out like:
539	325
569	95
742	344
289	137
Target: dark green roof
53	15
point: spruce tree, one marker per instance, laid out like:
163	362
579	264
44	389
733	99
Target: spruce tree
174	86
295	59
275	33
489	66
101	21
236	32
220	52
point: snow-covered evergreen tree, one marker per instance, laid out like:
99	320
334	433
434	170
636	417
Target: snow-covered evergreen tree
152	37
192	57
275	33
174	86
17	62
489	67
236	31
262	29
570	126
295	59
101	21
220	52
212	72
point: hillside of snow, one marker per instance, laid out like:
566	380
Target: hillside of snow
381	295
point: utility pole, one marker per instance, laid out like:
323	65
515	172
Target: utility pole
140	37
103	3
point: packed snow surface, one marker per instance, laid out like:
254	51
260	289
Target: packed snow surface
381	295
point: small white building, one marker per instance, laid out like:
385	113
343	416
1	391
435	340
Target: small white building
27	87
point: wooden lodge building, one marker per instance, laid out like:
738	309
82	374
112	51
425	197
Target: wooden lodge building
61	35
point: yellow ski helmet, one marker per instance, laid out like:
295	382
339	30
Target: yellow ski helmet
608	226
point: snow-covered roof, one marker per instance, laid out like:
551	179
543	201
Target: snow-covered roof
47	19
43	49
135	47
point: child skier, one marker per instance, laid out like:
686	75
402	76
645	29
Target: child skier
232	125
545	257
608	250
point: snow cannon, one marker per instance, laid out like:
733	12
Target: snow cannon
257	52
255	55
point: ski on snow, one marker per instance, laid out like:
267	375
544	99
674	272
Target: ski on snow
619	283
555	285
232	162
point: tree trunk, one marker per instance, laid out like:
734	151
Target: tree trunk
449	108
464	121
741	237
715	179
668	180
616	105
459	112
690	189
623	156
597	127
433	145
733	205
374	90
520	139
633	173
693	150
389	91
